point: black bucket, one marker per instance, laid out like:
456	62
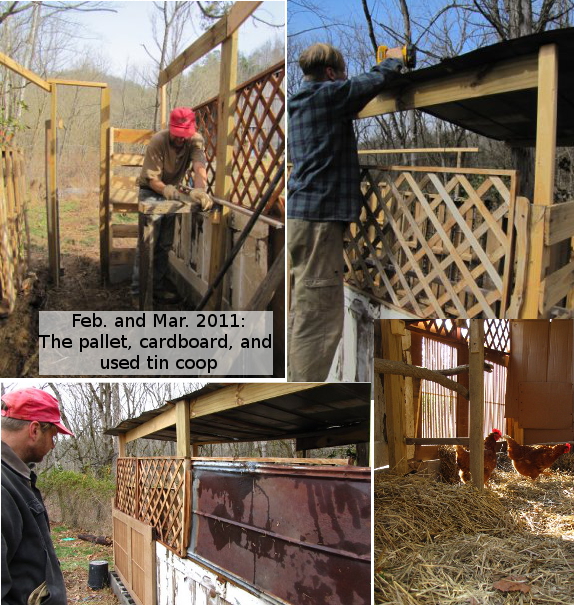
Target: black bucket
98	575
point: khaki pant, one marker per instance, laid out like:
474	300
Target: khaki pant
317	301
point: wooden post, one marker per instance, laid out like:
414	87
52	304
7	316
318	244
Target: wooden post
122	445
182	428
462	420
146	235
543	176
105	209
224	156
476	389
394	394
163	106
52	191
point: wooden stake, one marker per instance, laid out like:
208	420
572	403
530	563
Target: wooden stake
104	185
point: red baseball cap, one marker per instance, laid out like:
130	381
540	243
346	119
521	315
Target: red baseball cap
34	404
182	122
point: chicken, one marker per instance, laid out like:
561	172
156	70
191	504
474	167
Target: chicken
532	460
463	457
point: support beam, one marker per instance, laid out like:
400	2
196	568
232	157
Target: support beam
121	446
167	418
217	34
394	392
476	389
505	76
182	429
25	73
163	106
546	119
224	157
104	185
52	191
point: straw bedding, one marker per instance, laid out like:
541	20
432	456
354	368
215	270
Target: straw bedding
443	544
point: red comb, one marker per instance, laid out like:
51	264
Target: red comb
497	432
568	447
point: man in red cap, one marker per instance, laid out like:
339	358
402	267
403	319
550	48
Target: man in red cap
30	568
168	157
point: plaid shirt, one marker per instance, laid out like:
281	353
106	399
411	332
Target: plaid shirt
324	184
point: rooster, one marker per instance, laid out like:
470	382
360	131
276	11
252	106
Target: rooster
463	457
532	460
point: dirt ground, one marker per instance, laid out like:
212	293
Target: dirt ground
80	287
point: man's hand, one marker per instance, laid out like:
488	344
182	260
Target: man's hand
200	197
170	192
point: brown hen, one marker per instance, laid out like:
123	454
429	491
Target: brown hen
463	457
532	460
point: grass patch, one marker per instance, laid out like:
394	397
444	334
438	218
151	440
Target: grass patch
76	554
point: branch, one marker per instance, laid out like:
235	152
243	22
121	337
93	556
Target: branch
370	26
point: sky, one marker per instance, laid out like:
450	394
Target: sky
119	36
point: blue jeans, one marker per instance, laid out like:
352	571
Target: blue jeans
163	230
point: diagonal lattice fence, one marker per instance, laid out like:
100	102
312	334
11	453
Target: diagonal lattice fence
156	491
435	242
258	138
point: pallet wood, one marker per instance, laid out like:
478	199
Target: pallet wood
558	223
476	399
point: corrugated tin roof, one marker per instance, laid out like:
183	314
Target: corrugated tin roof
313	411
511	116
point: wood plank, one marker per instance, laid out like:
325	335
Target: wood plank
447	169
544	175
25	73
476	398
104	207
224	161
213	37
505	76
421	150
437	441
167	207
298	461
132	135
394	392
120	230
53	210
243	394
77	83
521	242
561	351
558	223
122	256
127	159
555	287
271	283
164	420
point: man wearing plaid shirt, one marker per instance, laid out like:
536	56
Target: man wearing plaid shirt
324	196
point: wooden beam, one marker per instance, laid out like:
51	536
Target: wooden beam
163	106
544	175
104	184
224	158
121	446
558	223
25	73
505	76
394	391
437	441
52	192
421	150
556	286
182	429
476	390
167	418
213	37
243	394
390	367
77	83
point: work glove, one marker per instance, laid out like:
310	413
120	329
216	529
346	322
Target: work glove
170	192
198	196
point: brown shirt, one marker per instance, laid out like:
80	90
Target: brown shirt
164	162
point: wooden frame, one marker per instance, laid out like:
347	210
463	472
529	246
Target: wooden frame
549	277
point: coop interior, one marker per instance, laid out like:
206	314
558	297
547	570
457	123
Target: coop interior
441	537
190	529
228	259
439	238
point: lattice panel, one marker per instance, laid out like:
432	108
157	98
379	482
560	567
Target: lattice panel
435	242
259	138
153	490
206	122
497	335
439	327
126	486
162	498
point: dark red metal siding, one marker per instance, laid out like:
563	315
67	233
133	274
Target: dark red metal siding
301	533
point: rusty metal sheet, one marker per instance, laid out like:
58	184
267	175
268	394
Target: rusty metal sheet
300	533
